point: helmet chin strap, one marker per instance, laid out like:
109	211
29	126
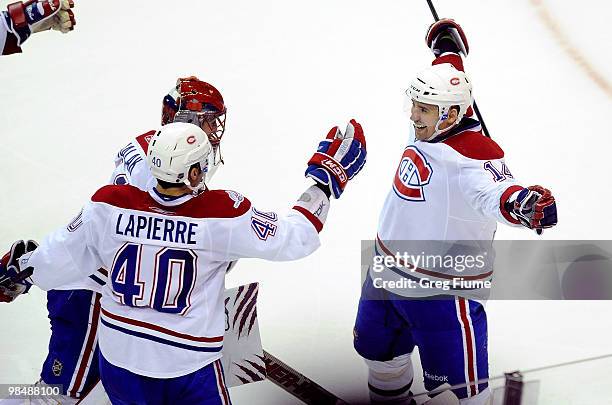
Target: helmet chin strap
443	117
198	188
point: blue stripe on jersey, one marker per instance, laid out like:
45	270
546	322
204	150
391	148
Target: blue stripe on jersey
160	340
168	197
97	280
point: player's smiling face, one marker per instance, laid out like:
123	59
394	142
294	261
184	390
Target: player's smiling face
424	118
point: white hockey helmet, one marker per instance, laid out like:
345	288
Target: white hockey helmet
444	86
174	149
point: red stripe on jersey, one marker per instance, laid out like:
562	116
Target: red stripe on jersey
502	203
161	329
209	204
310	216
89	346
468	344
221	382
475	145
453	58
144	139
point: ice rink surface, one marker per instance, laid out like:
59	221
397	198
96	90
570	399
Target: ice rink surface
289	71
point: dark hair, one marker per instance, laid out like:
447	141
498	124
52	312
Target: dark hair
167	184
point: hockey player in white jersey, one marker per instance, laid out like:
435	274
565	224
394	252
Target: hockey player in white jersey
451	187
74	309
167	249
192	101
21	20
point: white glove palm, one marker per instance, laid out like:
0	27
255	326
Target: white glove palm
61	20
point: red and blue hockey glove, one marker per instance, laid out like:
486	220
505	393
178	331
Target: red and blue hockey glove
12	280
446	35
338	158
534	207
23	19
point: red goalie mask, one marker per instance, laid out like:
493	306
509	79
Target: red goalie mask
196	102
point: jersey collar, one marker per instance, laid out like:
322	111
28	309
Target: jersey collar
167	200
466	124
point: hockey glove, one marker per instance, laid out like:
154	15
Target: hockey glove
338	158
534	207
446	35
12	280
23	19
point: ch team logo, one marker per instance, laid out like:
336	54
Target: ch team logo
413	174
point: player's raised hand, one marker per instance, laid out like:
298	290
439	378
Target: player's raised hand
535	207
446	35
23	19
12	280
62	20
338	158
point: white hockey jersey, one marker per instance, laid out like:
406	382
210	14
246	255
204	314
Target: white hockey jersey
451	190
131	164
130	168
162	310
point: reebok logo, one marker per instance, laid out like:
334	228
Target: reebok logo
437	378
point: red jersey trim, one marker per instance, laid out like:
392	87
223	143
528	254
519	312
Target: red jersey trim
475	145
10	45
311	217
468	332
452	58
161	329
144	139
209	204
84	361
502	204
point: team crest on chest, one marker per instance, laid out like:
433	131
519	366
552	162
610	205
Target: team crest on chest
413	174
